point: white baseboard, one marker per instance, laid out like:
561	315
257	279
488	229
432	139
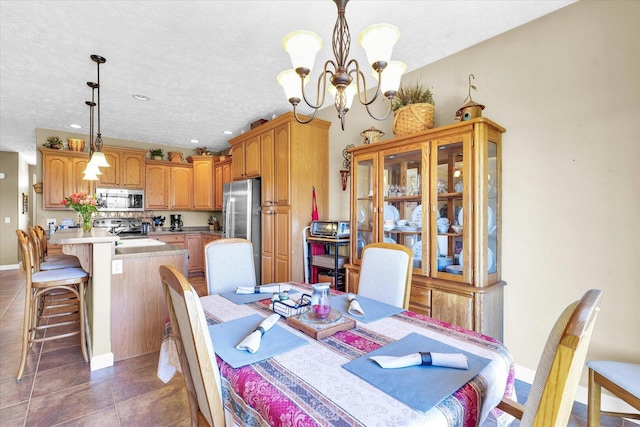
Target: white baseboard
102	361
10	266
607	402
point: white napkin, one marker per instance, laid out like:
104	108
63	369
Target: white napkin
354	306
251	342
268	289
447	360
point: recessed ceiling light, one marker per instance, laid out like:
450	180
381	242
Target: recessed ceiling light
141	97
195	141
227	132
75	126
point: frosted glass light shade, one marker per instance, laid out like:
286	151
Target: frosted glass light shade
290	82
377	41
92	169
391	76
302	46
98	159
349	92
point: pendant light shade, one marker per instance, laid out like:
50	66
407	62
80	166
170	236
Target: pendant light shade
378	41
99	160
302	46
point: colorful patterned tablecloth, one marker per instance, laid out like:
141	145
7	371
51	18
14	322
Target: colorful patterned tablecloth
307	386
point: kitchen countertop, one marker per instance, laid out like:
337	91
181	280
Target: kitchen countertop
186	230
146	251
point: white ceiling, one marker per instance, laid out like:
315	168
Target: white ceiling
208	66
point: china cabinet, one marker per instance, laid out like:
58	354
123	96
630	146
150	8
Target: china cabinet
438	193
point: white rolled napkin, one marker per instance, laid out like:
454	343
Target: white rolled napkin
446	360
267	289
251	342
354	306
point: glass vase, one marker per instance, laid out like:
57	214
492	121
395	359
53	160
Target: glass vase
86	223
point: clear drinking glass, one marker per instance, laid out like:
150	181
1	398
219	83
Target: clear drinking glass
321	300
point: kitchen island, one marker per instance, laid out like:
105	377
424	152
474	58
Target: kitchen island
123	297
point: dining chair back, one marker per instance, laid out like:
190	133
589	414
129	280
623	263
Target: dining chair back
229	264
618	378
195	349
554	386
54	302
385	273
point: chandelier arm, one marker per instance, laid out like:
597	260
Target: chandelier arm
361	79
321	90
304	122
379	118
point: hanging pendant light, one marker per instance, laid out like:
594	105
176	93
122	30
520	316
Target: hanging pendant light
98	158
346	78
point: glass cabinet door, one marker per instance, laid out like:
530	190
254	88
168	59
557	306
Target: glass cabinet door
363	189
451	220
402	221
493	186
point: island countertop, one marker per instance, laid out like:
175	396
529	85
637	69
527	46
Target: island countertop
74	236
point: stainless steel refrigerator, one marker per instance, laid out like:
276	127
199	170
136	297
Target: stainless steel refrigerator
241	216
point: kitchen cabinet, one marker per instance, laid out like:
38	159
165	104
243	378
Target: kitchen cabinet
62	172
179	188
165	186
222	176
203	182
177	239
437	192
245	158
126	168
290	153
194	247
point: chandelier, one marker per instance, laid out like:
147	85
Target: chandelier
345	76
96	156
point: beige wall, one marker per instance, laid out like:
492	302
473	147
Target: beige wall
15	184
190	218
567	89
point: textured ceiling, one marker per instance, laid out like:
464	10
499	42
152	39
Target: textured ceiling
208	66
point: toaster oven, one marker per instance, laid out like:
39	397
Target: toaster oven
330	229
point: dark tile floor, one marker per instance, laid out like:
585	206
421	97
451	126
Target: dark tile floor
58	388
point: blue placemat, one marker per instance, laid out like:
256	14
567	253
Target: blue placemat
247	298
420	387
373	310
225	336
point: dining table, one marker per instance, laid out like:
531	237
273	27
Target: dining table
316	381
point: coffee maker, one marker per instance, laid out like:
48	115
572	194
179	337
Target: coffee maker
176	222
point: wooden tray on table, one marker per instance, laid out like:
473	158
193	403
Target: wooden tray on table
318	330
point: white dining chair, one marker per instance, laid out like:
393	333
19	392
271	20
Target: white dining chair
228	264
385	273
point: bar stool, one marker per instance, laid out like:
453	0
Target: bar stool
49	262
40	313
620	379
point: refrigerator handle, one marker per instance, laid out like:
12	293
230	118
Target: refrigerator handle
228	227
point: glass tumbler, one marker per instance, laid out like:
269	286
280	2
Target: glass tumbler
321	300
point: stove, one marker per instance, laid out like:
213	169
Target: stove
123	227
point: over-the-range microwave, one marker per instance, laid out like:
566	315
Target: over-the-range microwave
116	199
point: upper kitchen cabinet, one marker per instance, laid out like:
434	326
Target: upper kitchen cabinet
168	187
62	175
126	169
222	176
203	182
245	151
438	193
